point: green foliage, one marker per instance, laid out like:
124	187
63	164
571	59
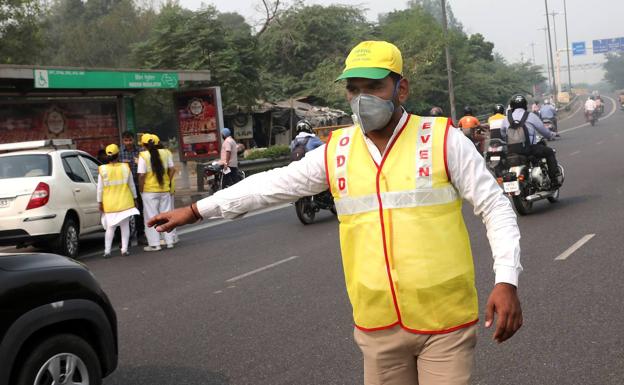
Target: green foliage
21	37
205	40
302	38
614	68
271	152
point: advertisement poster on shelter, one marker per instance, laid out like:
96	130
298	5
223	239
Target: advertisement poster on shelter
199	118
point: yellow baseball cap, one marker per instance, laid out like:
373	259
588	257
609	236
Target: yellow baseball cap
372	60
145	138
112	149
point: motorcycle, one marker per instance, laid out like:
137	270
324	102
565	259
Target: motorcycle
307	207
591	117
213	175
526	181
495	156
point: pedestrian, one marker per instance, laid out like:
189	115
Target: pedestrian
171	197
398	181
116	195
229	158
130	155
156	170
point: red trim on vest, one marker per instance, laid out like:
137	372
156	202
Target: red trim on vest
385	248
448	124
387	152
445	331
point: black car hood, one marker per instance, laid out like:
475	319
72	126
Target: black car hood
34	261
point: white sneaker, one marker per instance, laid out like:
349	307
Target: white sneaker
170	246
152	248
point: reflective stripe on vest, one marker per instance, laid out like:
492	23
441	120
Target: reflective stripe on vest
116	195
151	181
405	248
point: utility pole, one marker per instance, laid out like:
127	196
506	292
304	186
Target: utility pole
547	57
568	48
533	51
553	14
449	69
552	60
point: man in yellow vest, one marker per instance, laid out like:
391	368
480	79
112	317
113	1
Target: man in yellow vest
116	195
398	181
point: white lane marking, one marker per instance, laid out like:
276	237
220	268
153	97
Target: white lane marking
574	153
587	124
599	143
574	247
261	269
222	221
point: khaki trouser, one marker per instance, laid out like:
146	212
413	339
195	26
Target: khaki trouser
397	357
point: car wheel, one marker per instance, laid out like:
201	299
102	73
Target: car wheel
64	359
68	241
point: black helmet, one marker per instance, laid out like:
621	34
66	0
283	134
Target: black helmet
499	109
304	126
518	101
436	111
467	110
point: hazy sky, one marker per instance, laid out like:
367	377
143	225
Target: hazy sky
512	30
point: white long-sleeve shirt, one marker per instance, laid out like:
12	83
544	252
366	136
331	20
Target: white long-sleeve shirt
306	177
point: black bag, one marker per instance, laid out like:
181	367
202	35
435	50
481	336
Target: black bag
517	134
299	150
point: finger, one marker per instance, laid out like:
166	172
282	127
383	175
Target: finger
501	324
165	227
489	314
155	220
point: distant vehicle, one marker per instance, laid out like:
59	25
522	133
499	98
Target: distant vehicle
58	327
48	194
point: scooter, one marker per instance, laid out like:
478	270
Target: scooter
307	207
213	175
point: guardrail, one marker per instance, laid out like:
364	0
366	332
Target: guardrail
250	167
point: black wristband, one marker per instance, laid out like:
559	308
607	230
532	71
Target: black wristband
196	213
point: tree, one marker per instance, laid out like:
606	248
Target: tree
614	68
302	38
20	33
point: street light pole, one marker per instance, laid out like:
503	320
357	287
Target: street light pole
449	69
547	57
565	13
552	61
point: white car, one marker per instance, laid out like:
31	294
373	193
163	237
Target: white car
47	195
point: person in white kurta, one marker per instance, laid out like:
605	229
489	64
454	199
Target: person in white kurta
111	218
156	196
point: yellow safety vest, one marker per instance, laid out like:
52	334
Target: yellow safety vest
116	195
496	121
405	248
151	182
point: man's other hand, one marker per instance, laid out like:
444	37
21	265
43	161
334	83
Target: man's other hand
505	303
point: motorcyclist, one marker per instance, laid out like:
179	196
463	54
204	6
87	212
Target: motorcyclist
436	111
534	127
599	105
535	107
305	139
471	128
496	121
549	112
590	108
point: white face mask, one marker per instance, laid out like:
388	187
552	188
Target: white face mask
372	112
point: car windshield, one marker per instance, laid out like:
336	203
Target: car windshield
24	166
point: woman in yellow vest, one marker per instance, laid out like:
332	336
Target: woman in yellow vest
116	195
156	172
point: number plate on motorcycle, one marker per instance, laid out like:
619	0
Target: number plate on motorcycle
495	158
510	187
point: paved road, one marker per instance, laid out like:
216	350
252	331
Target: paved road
262	301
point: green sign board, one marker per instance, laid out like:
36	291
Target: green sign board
104	79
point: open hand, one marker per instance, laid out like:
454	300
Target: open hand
505	303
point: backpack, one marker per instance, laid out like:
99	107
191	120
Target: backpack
517	134
299	150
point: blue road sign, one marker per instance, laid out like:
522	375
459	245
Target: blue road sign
578	48
608	45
